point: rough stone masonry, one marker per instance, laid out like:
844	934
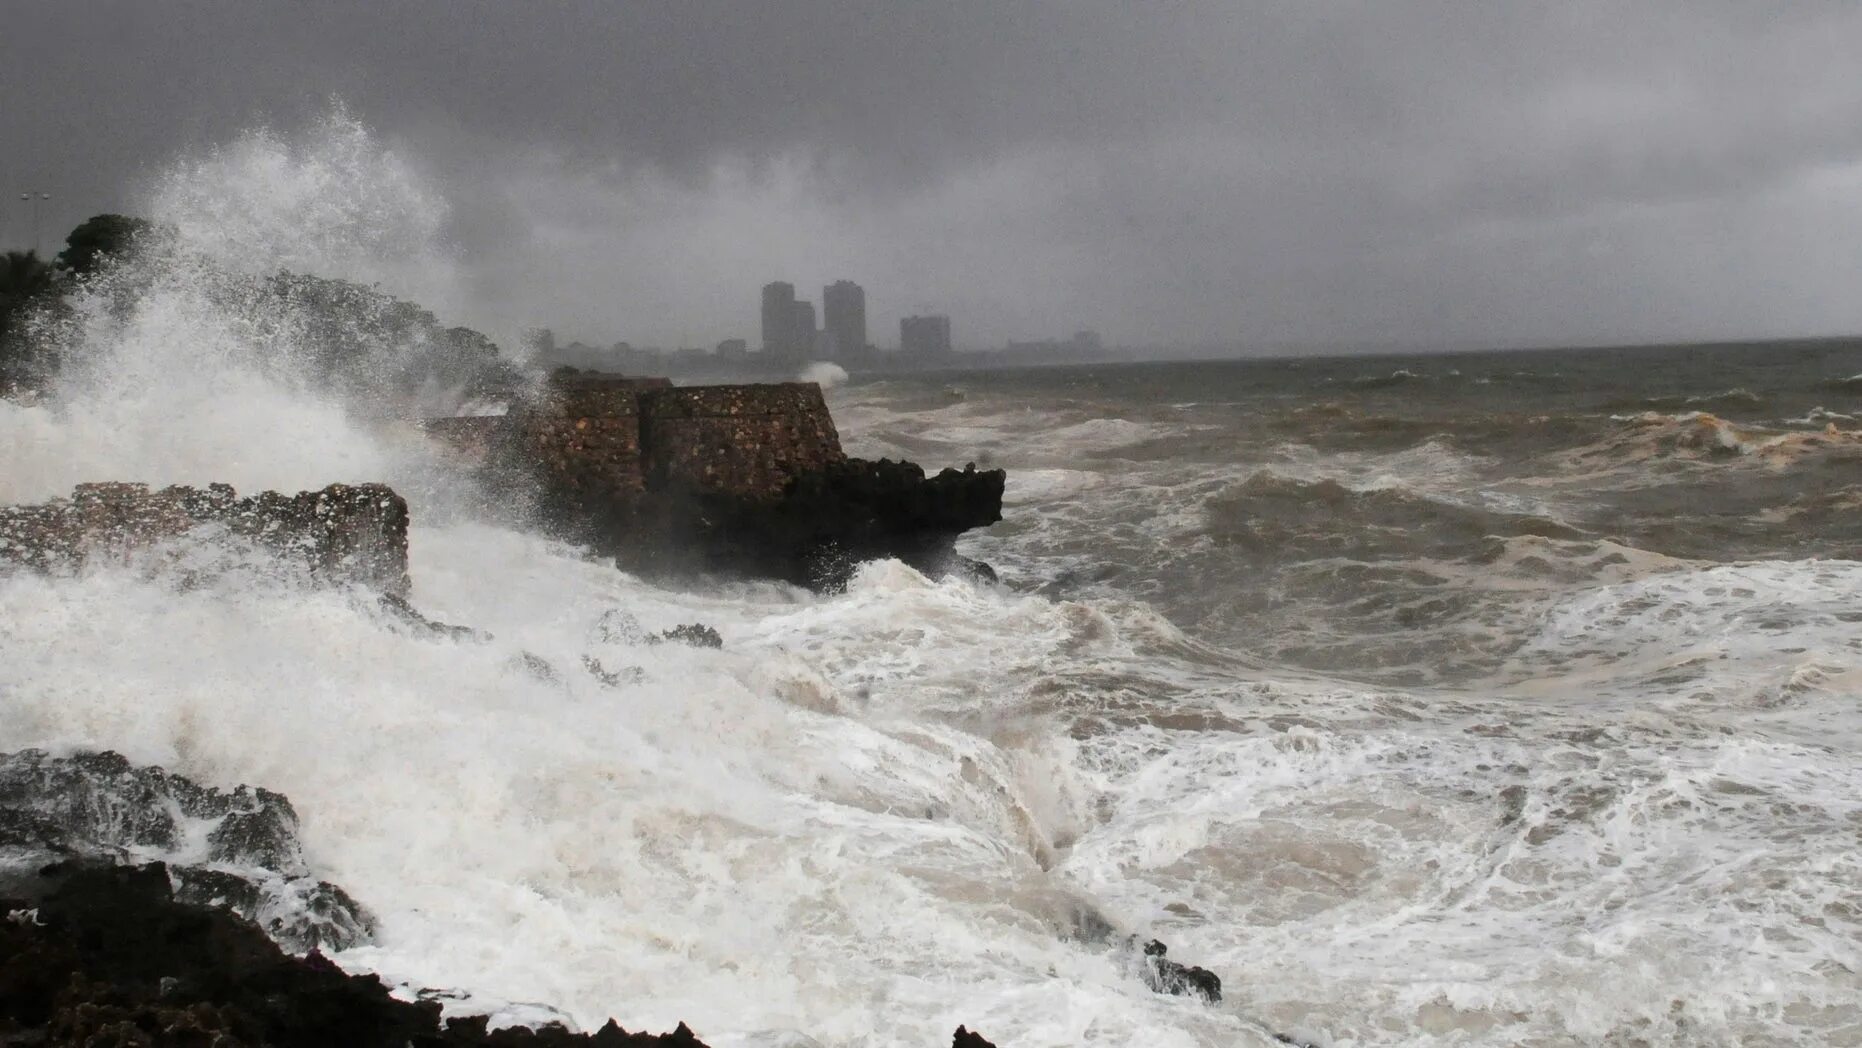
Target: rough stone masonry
747	479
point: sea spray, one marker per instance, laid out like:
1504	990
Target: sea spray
721	836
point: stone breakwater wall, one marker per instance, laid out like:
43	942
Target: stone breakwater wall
343	533
743	480
604	437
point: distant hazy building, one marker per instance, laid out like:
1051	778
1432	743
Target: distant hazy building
802	331
734	348
779	319
1084	345
924	336
843	315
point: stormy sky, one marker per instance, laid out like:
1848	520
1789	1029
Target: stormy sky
1166	172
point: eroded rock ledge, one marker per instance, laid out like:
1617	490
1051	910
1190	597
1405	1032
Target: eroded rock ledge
108	956
100	946
236	849
343	533
744	480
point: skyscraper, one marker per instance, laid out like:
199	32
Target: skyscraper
802	329
924	336
779	319
843	315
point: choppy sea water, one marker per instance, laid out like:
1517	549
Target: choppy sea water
1481	700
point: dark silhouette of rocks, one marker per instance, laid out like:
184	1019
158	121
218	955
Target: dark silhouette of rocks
342	533
97	807
696	634
107	955
969	1039
734	480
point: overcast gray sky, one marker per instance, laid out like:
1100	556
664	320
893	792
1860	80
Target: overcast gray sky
1165	170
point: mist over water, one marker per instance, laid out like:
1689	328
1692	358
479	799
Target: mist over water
1498	700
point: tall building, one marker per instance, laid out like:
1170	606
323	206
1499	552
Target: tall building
779	319
924	336
802	329
843	316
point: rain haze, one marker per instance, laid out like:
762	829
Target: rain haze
1173	174
1026	524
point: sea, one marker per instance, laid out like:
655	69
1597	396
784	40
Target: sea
1506	698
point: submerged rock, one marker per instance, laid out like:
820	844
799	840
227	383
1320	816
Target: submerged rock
238	850
343	533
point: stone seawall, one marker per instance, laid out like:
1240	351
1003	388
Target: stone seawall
743	440
744	479
602	437
342	533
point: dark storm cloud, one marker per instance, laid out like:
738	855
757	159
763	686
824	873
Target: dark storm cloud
1195	170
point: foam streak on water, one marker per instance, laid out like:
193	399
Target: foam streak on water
1425	710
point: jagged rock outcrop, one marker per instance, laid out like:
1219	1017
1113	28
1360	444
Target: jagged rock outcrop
110	956
343	533
236	849
1163	975
747	479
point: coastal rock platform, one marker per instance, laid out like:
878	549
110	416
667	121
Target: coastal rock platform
342	533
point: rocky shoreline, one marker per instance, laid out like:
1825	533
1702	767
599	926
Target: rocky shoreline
142	908
145	909
218	942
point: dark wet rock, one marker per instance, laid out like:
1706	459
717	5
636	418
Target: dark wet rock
238	849
966	1038
1163	975
697	634
343	533
619	627
107	955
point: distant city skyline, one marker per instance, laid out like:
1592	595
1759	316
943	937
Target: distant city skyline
1237	172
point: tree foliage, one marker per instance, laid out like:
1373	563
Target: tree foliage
26	281
98	239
